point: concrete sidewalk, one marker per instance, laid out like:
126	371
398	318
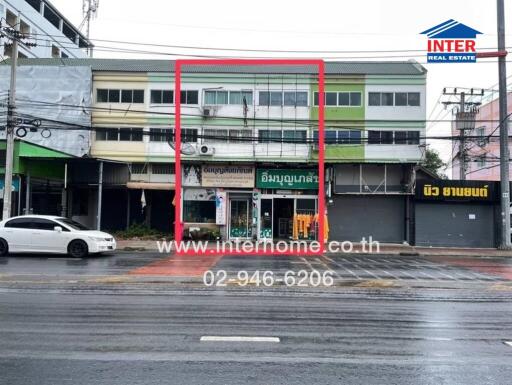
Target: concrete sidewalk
388	249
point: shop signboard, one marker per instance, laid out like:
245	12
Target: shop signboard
298	179
220	207
191	175
456	190
227	176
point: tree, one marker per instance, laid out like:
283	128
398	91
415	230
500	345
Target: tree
434	163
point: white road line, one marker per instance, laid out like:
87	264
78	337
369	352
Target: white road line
509	343
238	339
343	267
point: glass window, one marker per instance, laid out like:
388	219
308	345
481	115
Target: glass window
264	98
302	99
413	137
374	99
167	97
344	137
373	137
276	99
343	99
210	97
125	134
137	134
289	99
189	135
138	96
126	96
292	136
102	96
355	98
355	137
156	96
112	134
73	224
413	99
159	134
222	97
189	97
20	223
248	97
400	137
400	98
331	99
235	97
101	134
330	136
386	137
387	98
44	224
114	96
199	211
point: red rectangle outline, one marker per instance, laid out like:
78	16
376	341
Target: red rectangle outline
178	225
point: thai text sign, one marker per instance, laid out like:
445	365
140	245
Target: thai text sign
454	190
304	179
227	176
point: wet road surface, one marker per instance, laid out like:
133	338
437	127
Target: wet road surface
150	333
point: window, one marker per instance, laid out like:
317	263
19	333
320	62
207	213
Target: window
107	134
295	136
139	168
132	96
189	135
413	137
269	136
36	4
387	98
108	96
296	99
44	224
400	98
189	97
413	99
349	137
380	137
374	99
55	51
331	136
237	97
51	16
162	97
199	211
331	99
213	135
130	134
400	137
216	97
276	99
73	224
20	223
352	99
160	134
162	169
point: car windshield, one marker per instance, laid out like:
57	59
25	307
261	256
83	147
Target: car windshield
71	223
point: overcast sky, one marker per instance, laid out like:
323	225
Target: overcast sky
367	25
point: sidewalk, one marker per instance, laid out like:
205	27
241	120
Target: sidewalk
389	249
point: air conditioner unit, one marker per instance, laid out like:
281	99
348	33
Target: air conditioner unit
208	111
206	150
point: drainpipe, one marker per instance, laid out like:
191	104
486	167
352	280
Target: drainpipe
100	196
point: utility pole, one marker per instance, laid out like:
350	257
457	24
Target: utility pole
464	121
11	125
505	242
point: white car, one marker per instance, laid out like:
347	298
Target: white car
50	234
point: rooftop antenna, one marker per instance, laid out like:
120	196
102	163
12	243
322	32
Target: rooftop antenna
89	11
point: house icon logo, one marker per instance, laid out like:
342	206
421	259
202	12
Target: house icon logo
451	42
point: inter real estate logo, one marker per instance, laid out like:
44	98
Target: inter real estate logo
451	42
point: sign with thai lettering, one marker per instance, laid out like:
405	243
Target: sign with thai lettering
303	179
227	176
456	190
220	207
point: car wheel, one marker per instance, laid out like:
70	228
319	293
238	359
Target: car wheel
78	249
4	247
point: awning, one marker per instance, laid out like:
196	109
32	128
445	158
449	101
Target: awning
150	186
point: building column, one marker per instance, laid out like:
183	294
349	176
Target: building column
100	197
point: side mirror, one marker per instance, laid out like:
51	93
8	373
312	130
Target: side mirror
58	229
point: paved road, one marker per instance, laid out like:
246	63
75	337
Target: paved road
390	338
61	322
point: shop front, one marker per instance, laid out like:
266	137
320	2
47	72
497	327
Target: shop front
288	203
218	201
456	213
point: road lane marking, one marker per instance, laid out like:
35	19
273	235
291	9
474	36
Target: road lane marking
238	339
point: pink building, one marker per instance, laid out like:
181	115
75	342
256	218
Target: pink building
483	152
